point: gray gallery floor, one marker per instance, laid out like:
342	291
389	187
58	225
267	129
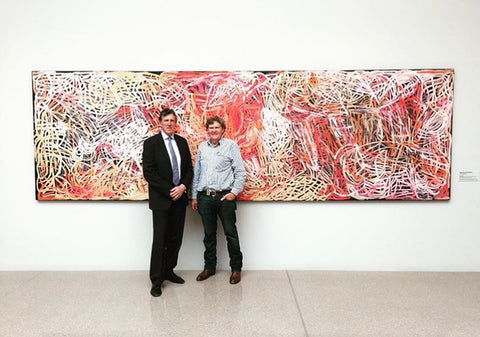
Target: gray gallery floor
265	303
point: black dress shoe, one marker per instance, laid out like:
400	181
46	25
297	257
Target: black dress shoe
172	277
206	273
156	290
235	277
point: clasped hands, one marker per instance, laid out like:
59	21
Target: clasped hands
177	191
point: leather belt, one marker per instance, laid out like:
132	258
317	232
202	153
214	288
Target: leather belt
211	193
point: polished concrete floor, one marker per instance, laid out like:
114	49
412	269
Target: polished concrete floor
264	303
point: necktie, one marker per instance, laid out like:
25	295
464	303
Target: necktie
176	175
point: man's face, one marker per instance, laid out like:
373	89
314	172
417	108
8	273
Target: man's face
168	124
215	132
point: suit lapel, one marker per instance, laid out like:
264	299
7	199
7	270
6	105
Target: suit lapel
163	153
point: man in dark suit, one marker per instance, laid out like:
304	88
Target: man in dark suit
167	167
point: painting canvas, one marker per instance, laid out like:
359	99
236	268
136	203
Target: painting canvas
303	135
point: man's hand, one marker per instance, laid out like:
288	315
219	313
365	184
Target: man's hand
229	196
177	191
194	204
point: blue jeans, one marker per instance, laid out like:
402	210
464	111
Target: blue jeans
210	208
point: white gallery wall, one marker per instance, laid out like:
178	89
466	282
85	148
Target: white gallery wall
239	35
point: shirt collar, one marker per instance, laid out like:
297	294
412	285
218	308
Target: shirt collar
218	144
165	136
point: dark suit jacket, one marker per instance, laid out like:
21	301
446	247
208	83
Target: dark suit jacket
157	170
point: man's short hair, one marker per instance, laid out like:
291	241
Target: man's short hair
214	119
166	112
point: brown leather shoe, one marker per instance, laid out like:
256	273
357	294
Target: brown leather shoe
206	273
235	277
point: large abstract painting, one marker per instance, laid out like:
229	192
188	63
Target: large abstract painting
304	135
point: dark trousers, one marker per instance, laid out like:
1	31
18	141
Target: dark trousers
167	238
209	208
